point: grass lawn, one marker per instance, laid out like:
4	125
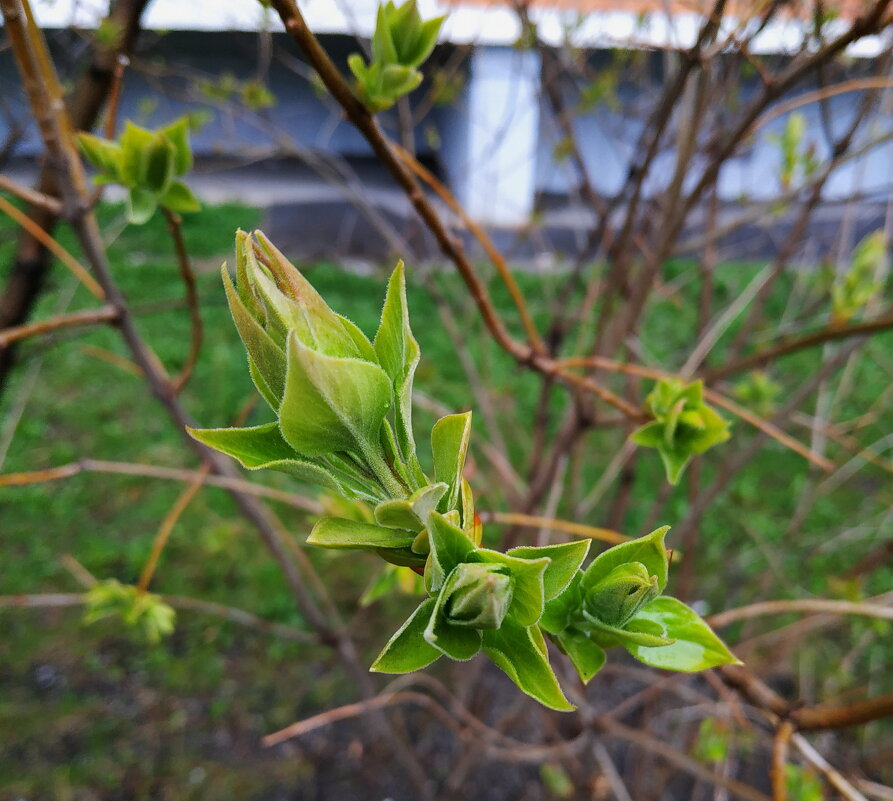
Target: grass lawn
98	715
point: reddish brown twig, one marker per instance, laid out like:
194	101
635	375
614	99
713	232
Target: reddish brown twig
195	317
29	195
104	314
829	334
227	482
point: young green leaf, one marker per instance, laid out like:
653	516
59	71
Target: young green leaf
104	155
179	199
268	358
585	655
398	355
565	560
262	448
449	444
649	550
408	650
178	135
410	513
450	546
695	645
521	653
141	205
340	533
331	404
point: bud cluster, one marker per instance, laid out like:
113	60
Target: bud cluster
683	425
400	45
343	407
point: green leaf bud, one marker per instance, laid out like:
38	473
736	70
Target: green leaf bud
617	597
480	596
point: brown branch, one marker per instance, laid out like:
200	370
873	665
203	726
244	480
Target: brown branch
785	347
29	195
52	246
565	526
778	772
483	238
296	27
808	606
853	85
817	718
228	482
103	314
195	317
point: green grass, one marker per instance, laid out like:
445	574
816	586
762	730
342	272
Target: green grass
94	709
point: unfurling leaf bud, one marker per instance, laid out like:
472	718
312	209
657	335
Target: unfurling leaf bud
620	594
480	596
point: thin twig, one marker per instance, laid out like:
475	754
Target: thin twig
231	483
195	317
785	347
103	314
53	246
167	525
779	769
29	195
808	605
230	613
554	524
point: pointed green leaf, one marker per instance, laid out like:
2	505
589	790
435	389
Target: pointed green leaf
649	550
650	435
331	404
337	532
449	444
134	140
179	199
520	653
696	647
585	655
450	546
674	463
410	513
566	559
398	355
267	357
408	650
157	165
104	155
141	205
262	448
178	134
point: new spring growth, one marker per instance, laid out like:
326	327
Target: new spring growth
343	420
683	425
617	601
343	407
148	164
619	595
401	43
